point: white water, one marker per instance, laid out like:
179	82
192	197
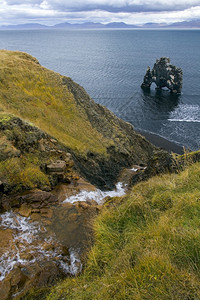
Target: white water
186	113
27	239
97	195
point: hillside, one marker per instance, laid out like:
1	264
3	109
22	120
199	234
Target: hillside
101	144
147	244
25	154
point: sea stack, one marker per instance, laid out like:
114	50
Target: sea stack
164	75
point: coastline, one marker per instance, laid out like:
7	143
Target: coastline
161	142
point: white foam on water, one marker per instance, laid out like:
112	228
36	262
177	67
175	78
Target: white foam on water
186	113
27	239
97	195
184	120
74	266
134	169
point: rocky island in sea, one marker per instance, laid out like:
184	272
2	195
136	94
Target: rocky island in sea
164	74
62	159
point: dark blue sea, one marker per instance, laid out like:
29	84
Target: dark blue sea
110	65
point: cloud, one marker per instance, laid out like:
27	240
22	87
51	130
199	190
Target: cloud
122	5
109	5
129	11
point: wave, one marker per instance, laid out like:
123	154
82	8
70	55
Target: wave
186	113
184	120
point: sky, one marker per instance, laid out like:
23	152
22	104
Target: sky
50	12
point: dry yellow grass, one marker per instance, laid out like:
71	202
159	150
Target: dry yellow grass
38	95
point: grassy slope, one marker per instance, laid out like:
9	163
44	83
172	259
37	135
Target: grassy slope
147	244
39	96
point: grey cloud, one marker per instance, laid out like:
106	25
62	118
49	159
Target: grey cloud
114	6
22	2
129	11
122	5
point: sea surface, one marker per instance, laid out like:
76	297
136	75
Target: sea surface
111	64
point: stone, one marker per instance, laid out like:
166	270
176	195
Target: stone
47	212
57	166
53	141
5	289
24	210
164	75
6	240
37	198
41	146
83	204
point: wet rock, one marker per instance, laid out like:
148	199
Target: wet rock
91	202
132	175
72	218
83	204
4	203
35	211
164	75
68	205
40	274
16	277
6	240
13	283
35	217
27	256
47	212
4	289
24	210
37	198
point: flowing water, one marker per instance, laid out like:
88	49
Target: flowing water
45	239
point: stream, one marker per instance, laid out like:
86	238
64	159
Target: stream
54	238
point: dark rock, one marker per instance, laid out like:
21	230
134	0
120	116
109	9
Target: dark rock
147	79
37	199
164	75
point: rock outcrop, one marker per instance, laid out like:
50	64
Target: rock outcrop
30	158
164	75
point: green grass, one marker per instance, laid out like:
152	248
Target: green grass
147	244
38	95
21	174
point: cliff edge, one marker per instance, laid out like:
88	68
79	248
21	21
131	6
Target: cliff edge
100	143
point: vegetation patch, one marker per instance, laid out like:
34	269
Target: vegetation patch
147	244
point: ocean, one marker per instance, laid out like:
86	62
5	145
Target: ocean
111	64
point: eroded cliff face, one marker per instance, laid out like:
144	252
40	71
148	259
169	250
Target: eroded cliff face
100	143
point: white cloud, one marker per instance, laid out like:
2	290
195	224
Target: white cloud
129	11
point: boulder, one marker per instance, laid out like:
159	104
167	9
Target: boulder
25	210
164	75
57	166
35	199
